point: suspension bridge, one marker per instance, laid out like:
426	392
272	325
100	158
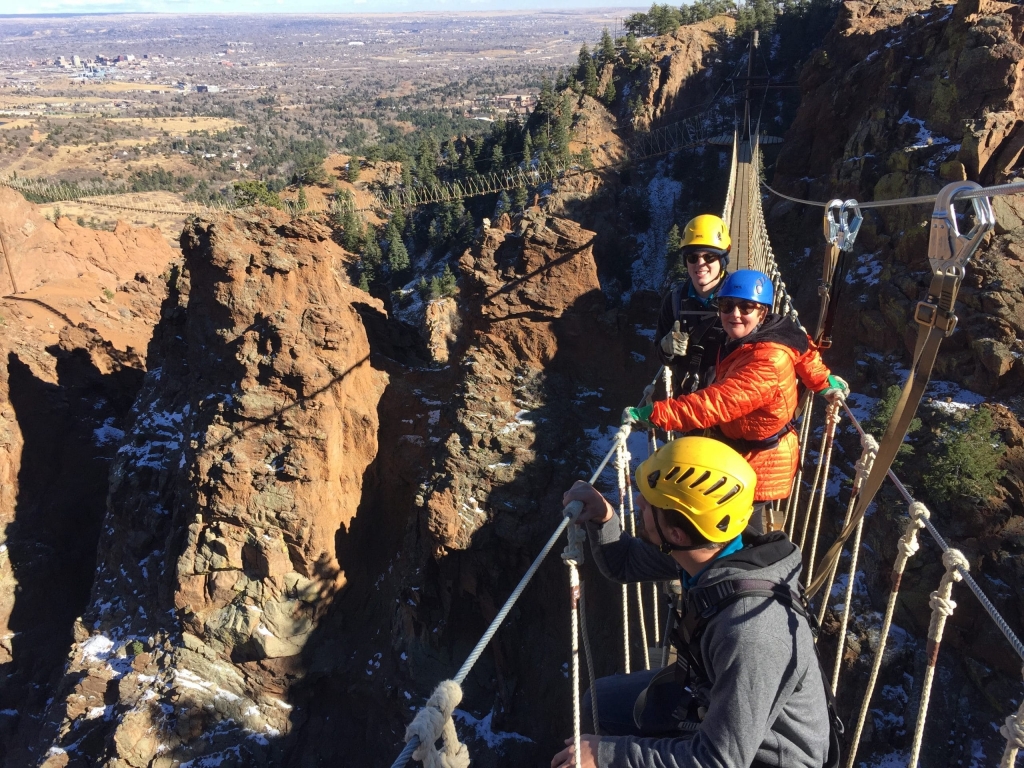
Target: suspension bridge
803	513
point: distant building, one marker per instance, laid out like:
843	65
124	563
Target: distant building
208	88
357	42
76	62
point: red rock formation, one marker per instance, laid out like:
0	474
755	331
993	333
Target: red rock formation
72	347
243	461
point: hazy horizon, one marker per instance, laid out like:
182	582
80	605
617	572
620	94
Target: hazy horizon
71	8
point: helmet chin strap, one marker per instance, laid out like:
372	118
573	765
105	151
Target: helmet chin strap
667	548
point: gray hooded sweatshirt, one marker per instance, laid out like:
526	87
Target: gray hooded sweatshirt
767	703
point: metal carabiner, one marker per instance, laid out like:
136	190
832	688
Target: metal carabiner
832	225
848	229
948	250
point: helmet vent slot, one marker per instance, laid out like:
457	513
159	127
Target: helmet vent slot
700	479
735	489
721	481
723	524
672	473
685	475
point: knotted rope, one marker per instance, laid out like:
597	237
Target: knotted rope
1013	731
621	469
434	722
793	502
824	463
666	378
572	555
622	462
869	451
942	605
907	547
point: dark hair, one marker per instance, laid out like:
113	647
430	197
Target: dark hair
675	519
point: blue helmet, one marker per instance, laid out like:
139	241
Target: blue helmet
748	284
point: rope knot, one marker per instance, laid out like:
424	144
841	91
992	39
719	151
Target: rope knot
1013	730
954	560
434	722
908	547
941	605
919	512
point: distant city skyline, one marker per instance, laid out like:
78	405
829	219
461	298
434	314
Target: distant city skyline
355	7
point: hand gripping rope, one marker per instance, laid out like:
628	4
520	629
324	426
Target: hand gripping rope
942	606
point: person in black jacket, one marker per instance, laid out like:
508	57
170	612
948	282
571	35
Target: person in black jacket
689	331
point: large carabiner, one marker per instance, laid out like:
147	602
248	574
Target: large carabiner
832	222
948	250
848	229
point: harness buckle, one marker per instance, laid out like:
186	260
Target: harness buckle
929	315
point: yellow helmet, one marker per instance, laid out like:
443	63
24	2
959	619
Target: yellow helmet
707	232
704	480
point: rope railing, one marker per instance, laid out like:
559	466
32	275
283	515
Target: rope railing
429	712
1010	188
957	569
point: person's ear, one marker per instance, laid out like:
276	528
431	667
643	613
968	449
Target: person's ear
675	535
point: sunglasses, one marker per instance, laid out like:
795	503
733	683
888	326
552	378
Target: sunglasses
726	306
707	258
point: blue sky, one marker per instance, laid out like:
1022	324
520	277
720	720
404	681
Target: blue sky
34	7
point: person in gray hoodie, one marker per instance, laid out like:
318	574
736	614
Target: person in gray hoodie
747	689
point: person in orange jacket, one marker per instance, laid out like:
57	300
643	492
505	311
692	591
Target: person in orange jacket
752	402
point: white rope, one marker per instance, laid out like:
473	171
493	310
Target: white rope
942	605
869	451
824	463
907	547
573	557
434	722
793	502
666	378
1013	731
626	459
626	526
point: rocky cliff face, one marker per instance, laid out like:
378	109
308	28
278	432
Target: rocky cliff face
902	99
72	358
242	464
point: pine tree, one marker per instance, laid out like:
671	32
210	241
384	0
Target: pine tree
609	91
497	159
353	169
519	198
398	256
607	47
527	149
586	72
302	203
675	241
504	204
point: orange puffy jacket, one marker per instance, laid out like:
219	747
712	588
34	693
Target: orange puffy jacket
754	397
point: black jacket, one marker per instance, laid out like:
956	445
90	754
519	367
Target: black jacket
696	369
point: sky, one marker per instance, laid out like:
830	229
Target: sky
40	7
